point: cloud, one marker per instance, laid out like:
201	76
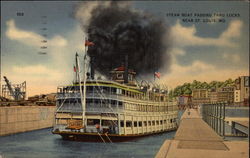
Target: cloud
195	68
44	77
233	31
178	51
39	79
186	36
31	38
235	58
58	41
198	70
37	72
25	37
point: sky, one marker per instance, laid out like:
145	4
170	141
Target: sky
203	51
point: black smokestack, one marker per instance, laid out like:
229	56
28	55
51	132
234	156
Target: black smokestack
92	69
125	76
119	31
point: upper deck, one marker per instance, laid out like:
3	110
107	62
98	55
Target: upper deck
112	90
112	97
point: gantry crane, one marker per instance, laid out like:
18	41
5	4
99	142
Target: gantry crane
16	91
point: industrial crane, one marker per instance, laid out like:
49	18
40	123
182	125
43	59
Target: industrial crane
17	91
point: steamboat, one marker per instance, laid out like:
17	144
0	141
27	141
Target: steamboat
115	109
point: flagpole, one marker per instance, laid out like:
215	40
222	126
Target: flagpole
76	67
84	85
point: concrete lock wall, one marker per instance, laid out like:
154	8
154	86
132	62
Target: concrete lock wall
25	118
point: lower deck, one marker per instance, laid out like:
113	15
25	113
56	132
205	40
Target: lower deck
120	124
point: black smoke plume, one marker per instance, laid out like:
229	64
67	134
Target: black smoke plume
118	31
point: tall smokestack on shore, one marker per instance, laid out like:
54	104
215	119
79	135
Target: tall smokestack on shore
116	26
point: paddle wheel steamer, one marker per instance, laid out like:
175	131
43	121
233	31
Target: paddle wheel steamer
112	110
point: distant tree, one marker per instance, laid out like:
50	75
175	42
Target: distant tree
187	88
187	92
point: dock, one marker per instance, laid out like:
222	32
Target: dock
196	139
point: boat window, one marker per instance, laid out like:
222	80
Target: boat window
131	94
91	122
145	123
135	124
140	123
128	123
106	89
122	123
106	122
118	91
113	102
171	120
113	90
120	76
149	123
130	77
137	107
157	122
161	122
89	88
97	101
89	101
153	123
59	90
120	104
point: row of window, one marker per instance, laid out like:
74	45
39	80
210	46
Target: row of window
146	123
107	103
148	108
113	90
92	122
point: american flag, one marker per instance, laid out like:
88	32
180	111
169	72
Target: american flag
158	74
88	43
